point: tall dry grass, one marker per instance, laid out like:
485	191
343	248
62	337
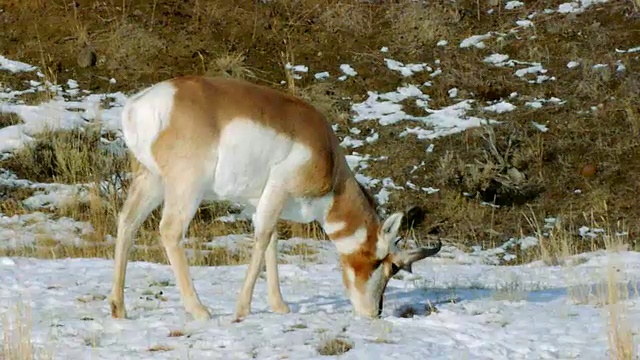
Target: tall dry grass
17	341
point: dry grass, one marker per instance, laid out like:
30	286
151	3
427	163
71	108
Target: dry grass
17	338
611	296
417	25
334	346
9	119
531	175
76	157
71	157
160	347
230	64
620	334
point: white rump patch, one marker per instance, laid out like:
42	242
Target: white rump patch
144	116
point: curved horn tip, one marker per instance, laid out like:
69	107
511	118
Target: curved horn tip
433	250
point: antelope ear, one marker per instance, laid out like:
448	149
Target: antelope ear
391	226
387	234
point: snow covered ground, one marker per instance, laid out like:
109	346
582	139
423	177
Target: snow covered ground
484	310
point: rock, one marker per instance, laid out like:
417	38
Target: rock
515	175
588	170
86	58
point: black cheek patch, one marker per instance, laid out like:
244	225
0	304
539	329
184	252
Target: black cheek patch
377	264
394	269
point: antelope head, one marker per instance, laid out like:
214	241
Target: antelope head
366	274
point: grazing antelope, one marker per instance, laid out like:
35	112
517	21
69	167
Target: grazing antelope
201	139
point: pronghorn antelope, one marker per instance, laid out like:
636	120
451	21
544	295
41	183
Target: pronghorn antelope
201	139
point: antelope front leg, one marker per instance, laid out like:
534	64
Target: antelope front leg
276	302
265	219
243	305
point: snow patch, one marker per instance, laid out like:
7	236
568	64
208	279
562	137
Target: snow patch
476	41
15	66
510	5
405	70
500	107
348	70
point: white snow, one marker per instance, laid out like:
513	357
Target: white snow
15	66
524	23
430	148
349	142
503	60
541	127
483	311
37	228
297	68
447	121
321	75
634	49
496	58
372	138
476	41
572	64
578	6
510	5
530	70
500	107
59	113
405	70
348	70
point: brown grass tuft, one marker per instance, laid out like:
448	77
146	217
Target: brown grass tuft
159	347
70	157
9	119
334	346
229	64
176	333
